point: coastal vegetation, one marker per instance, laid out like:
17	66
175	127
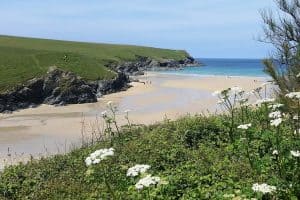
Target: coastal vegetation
252	153
22	59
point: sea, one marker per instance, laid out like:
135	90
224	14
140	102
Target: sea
224	67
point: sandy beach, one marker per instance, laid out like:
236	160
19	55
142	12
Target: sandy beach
47	130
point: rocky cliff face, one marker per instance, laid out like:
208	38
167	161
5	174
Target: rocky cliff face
144	63
58	87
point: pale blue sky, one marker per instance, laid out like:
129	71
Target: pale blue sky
205	28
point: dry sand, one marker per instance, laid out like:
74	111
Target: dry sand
48	130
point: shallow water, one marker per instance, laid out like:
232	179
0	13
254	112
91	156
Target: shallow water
225	67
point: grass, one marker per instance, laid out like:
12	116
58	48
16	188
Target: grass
22	59
193	155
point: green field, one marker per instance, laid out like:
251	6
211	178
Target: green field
22	59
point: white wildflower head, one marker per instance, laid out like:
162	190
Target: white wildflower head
275	152
104	113
263	188
137	169
295	154
216	93
236	89
275	115
275	106
295	117
109	103
127	111
293	95
147	181
244	126
298	75
265	84
99	155
276	122
264	101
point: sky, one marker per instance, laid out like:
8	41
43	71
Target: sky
205	28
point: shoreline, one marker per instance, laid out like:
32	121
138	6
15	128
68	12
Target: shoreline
48	130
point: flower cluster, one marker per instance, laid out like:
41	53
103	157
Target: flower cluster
276	118
99	155
147	181
295	154
274	115
137	169
244	126
275	106
264	188
293	95
264	101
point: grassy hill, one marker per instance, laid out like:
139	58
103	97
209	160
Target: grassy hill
24	58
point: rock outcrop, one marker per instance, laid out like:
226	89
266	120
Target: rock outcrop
58	87
144	63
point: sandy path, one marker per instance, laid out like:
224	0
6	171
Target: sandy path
47	129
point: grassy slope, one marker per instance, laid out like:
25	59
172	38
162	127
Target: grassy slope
193	154
24	58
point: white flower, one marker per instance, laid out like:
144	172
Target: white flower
295	154
236	89
276	122
221	101
262	101
244	126
275	152
104	113
216	93
109	103
275	106
127	111
298	75
264	188
99	155
265	84
296	132
147	182
295	117
137	169
293	95
275	115
88	161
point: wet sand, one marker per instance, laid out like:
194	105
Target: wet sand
47	130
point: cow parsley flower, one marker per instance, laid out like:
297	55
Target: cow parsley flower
263	101
137	169
275	115
236	89
295	154
244	126
147	181
275	153
216	93
276	122
127	111
293	95
99	155
264	188
104	113
275	106
109	103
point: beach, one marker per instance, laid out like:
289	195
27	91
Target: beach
48	130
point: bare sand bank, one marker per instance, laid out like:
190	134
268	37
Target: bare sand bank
47	129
